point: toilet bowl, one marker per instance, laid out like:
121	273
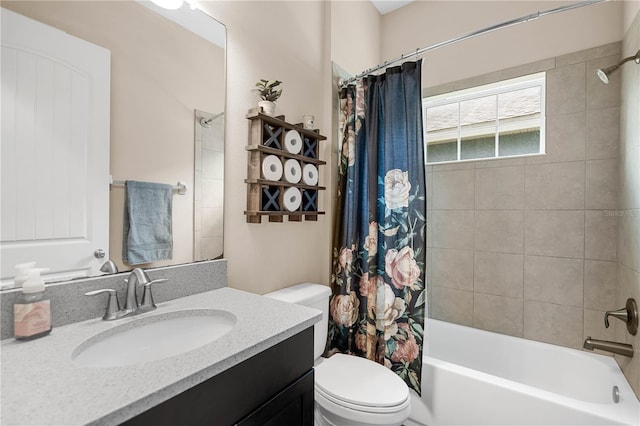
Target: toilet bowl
373	396
358	392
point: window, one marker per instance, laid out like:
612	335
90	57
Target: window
503	119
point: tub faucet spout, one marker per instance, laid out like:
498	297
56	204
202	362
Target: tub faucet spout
605	345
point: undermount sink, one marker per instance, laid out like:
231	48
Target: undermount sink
152	338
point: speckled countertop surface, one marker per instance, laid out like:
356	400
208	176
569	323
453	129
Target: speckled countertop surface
41	384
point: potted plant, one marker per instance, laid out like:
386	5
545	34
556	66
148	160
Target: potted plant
269	94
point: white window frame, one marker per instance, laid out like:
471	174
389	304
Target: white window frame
505	86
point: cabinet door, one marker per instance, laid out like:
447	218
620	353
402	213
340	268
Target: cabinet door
291	407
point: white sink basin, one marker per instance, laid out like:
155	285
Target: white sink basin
150	338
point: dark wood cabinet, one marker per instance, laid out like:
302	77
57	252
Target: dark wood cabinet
274	387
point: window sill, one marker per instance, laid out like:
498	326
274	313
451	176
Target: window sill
475	160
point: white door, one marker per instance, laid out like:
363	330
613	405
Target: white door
55	149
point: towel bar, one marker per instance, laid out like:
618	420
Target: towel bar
180	187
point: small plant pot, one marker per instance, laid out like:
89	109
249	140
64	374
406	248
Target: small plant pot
268	107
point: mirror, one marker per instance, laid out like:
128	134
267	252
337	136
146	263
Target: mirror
167	102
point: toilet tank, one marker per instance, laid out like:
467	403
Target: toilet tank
314	296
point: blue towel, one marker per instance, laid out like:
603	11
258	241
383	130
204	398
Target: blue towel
147	231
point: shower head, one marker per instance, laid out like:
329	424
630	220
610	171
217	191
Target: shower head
604	74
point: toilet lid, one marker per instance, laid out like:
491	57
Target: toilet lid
361	382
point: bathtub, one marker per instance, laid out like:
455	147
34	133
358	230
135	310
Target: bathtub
475	377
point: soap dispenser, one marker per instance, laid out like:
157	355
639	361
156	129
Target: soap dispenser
32	311
21	272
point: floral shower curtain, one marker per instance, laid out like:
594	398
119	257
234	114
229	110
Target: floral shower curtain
378	297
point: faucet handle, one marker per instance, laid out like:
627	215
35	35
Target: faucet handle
147	296
113	305
628	314
621	314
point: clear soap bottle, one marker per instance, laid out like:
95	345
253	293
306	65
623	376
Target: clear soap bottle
32	310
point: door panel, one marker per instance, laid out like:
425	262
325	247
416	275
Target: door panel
55	149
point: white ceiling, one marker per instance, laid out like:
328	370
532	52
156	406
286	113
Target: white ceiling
386	6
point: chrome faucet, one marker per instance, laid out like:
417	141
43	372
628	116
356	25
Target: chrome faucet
131	300
605	345
629	315
138	277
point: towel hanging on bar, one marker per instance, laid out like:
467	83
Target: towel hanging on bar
147	233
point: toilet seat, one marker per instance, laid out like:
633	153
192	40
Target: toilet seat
322	396
376	389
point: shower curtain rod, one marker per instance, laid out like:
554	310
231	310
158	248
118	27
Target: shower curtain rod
343	83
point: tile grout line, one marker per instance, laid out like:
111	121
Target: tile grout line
473	272
524	232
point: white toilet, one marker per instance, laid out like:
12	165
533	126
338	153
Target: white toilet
375	395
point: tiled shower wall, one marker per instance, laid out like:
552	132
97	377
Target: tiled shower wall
629	199
527	246
208	226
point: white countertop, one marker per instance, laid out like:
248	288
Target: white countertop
41	384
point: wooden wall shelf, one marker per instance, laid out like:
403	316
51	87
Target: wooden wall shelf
274	151
274	198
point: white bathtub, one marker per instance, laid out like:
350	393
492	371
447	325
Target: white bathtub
475	377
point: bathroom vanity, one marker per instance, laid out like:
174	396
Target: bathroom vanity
273	387
260	372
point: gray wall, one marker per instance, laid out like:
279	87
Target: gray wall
527	246
629	199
